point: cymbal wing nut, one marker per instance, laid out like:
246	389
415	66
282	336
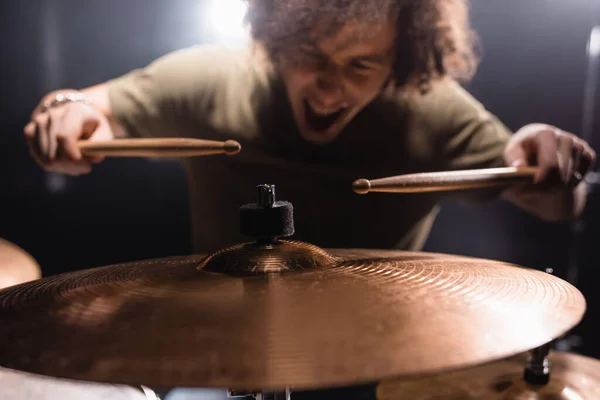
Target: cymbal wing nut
267	218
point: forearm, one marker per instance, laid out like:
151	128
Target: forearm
557	206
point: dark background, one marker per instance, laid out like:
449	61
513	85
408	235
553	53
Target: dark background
534	68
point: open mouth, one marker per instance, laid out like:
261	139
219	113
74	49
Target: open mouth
320	122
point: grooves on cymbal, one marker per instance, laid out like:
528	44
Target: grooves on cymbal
261	258
375	315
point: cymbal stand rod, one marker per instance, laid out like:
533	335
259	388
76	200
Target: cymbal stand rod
149	393
592	78
261	395
537	371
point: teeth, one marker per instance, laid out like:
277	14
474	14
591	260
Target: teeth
323	111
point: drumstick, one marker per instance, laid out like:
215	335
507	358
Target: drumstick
448	180
158	148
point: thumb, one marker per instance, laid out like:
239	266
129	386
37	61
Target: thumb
29	130
516	156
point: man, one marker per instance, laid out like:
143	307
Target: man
328	91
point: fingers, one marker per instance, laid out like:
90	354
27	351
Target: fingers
515	155
41	136
575	176
29	130
72	131
95	159
548	160
61	165
71	167
54	124
568	156
587	160
581	158
564	156
33	138
53	136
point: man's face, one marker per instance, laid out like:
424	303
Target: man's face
332	80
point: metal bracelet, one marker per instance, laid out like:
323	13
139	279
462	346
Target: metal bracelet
62	98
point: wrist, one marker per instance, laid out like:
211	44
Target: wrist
61	97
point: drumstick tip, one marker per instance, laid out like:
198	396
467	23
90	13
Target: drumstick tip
361	186
232	147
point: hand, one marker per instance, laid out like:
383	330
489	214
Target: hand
52	136
563	160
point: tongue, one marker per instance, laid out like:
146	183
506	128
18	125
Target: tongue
320	122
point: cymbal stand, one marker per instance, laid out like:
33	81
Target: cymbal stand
592	80
537	370
578	227
149	393
261	395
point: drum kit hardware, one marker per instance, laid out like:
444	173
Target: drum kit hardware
574	377
273	317
261	396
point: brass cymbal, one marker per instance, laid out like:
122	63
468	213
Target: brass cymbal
16	385
16	265
329	318
574	377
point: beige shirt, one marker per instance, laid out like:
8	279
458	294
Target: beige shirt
218	93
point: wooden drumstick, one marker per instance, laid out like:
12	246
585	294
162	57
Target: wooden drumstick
158	148
448	180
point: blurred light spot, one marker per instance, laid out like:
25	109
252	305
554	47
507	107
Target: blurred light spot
226	19
594	45
56	183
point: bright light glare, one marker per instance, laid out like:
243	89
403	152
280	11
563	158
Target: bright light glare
594	46
226	19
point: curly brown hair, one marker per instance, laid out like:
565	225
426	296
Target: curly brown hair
434	37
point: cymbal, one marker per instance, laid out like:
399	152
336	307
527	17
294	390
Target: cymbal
16	265
574	377
326	318
16	385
